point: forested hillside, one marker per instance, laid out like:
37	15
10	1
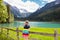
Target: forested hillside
46	13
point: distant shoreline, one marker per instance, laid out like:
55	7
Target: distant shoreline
43	21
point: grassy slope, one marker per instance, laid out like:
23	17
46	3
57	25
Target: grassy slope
35	29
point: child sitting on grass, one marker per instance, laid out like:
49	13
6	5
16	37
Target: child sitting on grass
26	31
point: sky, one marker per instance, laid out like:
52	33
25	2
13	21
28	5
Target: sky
29	5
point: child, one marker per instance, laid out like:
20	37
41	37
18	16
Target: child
26	31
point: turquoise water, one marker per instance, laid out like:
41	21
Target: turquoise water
33	24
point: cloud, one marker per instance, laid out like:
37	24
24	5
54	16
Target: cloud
48	1
31	6
28	5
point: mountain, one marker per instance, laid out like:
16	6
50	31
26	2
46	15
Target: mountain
40	10
14	10
46	11
24	13
17	13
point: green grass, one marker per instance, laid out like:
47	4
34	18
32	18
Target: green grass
12	34
4	37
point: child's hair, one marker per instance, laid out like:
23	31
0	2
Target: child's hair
26	21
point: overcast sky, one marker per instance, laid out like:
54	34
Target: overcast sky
29	5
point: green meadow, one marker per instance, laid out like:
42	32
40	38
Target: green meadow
13	34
